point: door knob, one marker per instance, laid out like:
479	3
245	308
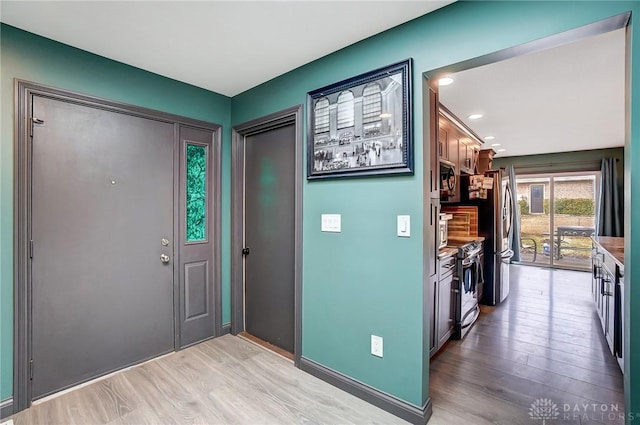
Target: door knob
164	258
246	251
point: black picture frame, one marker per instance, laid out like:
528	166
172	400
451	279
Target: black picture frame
362	126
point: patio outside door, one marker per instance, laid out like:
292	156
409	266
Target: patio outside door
557	218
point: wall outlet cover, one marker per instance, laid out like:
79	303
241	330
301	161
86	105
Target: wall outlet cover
331	223
376	345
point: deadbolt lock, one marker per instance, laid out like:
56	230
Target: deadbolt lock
164	242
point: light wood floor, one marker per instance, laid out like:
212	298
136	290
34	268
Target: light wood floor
227	380
543	342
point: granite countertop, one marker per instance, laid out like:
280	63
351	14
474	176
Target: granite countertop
614	246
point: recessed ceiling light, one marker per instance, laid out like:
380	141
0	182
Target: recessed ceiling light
501	150
495	144
489	137
445	81
385	115
475	116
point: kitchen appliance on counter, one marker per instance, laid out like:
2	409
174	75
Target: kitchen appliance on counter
495	223
443	229
469	283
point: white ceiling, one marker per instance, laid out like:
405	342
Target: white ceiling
568	98
563	99
224	46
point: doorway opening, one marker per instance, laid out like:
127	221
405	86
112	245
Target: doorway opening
514	315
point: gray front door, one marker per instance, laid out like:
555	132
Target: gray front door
270	235
102	193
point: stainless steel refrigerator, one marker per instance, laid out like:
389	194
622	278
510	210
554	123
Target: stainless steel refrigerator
495	220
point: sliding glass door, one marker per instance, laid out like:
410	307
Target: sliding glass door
557	218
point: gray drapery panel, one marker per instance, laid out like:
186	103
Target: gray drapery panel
609	220
515	227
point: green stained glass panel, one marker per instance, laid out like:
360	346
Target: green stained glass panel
196	193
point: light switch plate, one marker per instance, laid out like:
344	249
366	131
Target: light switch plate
404	226
331	223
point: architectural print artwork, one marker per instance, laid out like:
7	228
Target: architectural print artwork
361	126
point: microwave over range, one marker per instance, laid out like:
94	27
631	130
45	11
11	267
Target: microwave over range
448	181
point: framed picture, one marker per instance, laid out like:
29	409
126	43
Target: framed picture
361	126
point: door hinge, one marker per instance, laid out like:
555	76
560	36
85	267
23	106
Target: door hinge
31	369
31	248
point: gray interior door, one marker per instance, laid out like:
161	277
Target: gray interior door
102	202
197	316
270	235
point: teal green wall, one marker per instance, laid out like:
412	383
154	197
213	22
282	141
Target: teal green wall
565	162
632	226
32	58
365	280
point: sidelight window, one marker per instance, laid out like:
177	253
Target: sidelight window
196	192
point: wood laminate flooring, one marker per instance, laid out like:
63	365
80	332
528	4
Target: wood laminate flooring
544	341
267	345
227	380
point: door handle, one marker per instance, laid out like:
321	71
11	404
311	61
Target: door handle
246	251
164	258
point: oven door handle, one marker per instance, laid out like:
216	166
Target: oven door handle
475	311
467	262
506	254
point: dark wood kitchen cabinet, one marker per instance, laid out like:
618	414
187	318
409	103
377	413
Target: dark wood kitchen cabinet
457	143
448	142
608	290
469	150
485	160
433	304
443	143
446	304
443	299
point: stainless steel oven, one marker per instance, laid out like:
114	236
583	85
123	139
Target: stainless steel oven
469	288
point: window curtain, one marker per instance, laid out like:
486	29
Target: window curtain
515	226
609	220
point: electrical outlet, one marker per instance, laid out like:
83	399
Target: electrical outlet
331	223
376	345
